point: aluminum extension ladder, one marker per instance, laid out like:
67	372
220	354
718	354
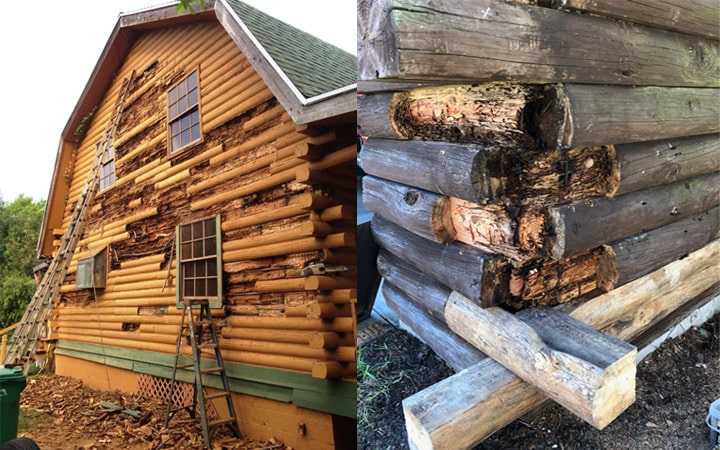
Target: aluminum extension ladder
33	325
196	330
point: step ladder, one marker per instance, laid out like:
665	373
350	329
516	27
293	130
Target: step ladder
34	323
197	330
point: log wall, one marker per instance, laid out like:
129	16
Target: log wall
278	188
537	139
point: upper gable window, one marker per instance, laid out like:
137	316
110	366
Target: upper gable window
107	170
184	113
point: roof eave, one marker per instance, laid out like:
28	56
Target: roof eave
301	109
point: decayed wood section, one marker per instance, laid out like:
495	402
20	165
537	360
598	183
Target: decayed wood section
469	406
552	116
526	233
496	174
487	40
287	212
492	280
590	373
698	17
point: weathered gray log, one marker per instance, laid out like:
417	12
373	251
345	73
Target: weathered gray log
454	350
481	40
462	171
429	294
646	164
643	253
416	210
698	17
577	115
466	408
480	276
583	225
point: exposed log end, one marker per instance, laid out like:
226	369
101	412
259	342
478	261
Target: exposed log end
617	391
377	40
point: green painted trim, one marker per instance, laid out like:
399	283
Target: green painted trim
330	396
178	269
218	242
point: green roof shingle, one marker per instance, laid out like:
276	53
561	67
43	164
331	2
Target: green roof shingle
314	66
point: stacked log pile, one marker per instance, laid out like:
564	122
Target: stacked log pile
545	184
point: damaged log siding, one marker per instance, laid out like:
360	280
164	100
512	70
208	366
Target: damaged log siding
278	207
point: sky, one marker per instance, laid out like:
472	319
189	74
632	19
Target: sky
49	50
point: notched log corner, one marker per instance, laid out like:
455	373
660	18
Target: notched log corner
492	113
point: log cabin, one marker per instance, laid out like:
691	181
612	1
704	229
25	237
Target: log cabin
524	155
230	178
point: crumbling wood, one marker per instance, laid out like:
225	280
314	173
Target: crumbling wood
583	225
480	276
576	115
454	350
466	408
486	40
491	113
698	17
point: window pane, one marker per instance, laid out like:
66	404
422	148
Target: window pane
185	233
197	230
212	268
200	289
212	287
186	252
192	79
210	227
188	290
192	97
210	246
200	269
198	249
189	270
185	138
172	96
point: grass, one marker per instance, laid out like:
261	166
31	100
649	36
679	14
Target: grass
374	382
30	420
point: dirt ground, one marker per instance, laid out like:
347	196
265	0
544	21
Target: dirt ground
674	388
60	413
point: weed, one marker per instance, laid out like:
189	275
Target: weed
375	381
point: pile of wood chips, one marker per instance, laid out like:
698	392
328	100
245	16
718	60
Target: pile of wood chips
76	416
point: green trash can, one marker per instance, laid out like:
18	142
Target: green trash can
12	383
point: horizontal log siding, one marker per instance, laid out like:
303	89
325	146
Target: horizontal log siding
249	141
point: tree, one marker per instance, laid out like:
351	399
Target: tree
187	5
20	223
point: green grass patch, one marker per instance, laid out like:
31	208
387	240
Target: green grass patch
30	420
375	381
